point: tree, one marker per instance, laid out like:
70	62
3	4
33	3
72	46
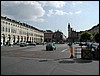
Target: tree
86	36
96	37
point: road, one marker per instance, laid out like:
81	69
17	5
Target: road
33	60
38	51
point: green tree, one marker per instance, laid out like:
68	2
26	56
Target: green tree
96	37
86	36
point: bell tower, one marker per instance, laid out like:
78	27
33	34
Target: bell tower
69	30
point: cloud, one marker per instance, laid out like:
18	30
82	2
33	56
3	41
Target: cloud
76	2
55	12
78	12
56	4
71	13
30	10
50	12
58	12
61	12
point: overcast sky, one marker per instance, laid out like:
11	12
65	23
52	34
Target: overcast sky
53	15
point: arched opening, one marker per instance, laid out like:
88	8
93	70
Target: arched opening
30	39
27	38
21	38
17	39
8	40
24	39
2	39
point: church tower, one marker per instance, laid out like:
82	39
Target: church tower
69	30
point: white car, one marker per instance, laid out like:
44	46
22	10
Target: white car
95	45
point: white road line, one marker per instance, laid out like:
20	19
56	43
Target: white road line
64	50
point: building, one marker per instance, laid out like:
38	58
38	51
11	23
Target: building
48	36
59	37
74	36
14	31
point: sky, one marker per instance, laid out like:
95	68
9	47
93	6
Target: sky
53	15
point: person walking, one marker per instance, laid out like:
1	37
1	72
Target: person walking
71	50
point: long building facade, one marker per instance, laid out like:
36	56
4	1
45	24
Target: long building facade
14	31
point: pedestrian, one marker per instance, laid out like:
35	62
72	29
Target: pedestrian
71	50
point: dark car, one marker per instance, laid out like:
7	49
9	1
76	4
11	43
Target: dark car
82	44
50	46
32	43
23	44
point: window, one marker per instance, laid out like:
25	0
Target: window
6	29
9	30
3	21
6	22
9	23
3	28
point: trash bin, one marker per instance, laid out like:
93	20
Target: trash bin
86	53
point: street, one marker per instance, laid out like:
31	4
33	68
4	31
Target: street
38	51
35	60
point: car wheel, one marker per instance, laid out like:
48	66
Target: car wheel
46	49
52	49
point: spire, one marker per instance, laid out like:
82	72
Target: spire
68	25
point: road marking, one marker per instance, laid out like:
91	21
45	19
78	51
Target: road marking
64	50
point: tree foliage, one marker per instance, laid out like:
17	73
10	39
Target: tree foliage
86	36
96	37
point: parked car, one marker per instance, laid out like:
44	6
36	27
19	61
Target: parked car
23	44
32	43
89	43
50	46
82	44
95	45
18	43
37	43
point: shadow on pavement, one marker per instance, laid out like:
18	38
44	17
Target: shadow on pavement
43	60
75	61
82	60
68	60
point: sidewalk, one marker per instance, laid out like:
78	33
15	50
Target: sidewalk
36	66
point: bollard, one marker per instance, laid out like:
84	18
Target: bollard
77	52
